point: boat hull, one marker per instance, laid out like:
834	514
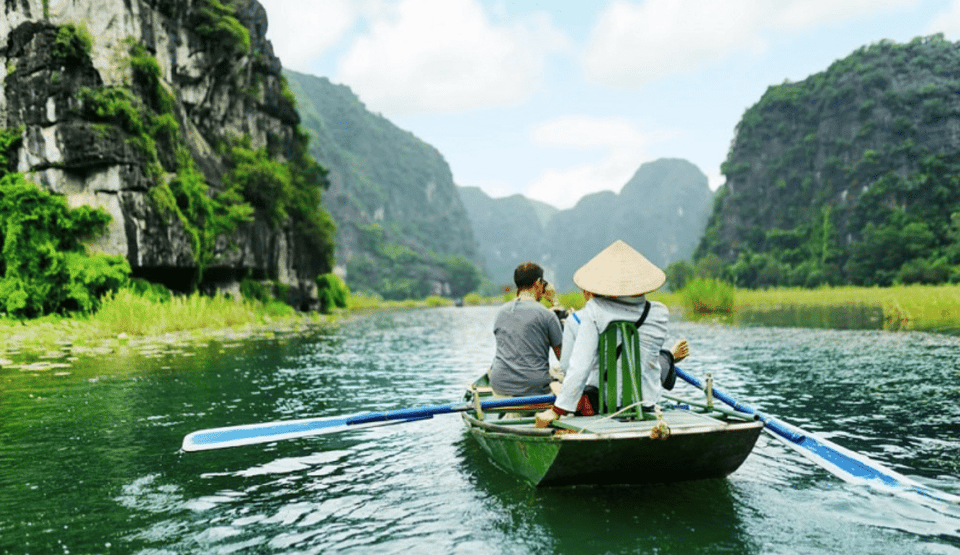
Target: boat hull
611	452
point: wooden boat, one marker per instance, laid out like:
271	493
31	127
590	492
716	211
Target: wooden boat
701	441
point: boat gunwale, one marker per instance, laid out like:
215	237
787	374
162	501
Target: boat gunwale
567	434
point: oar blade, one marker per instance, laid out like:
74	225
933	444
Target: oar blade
839	461
265	432
855	468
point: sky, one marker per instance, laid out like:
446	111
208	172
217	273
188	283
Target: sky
557	99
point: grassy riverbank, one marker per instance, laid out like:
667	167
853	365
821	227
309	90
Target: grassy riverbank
128	321
934	308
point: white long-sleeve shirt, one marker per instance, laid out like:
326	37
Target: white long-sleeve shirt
598	313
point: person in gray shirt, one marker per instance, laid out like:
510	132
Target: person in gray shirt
525	331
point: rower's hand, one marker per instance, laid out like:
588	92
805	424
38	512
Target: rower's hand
550	294
544	418
680	350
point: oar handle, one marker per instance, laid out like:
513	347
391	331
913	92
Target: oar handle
771	423
422	413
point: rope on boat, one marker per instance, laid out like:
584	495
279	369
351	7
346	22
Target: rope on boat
624	409
660	430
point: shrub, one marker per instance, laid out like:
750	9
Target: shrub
73	42
44	267
9	140
434	301
472	299
216	21
154	292
332	292
678	274
253	290
278	309
264	182
91	277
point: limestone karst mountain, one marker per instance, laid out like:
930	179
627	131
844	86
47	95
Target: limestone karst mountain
661	211
173	116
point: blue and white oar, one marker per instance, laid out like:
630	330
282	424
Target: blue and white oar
268	432
848	465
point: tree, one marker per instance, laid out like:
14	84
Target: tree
885	248
679	273
464	275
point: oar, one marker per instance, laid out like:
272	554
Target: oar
267	432
851	466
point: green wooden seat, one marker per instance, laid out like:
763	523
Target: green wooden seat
620	373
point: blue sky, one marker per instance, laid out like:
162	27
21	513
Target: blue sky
556	99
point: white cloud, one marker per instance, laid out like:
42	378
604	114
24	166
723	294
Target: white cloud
634	43
715	180
303	30
622	147
796	15
429	56
947	22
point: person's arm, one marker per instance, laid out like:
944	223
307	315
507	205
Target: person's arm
554	333
582	359
653	332
569	336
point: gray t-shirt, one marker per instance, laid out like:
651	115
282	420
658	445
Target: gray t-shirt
525	331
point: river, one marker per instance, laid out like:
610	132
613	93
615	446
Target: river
90	461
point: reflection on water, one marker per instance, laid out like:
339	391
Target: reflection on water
89	461
844	317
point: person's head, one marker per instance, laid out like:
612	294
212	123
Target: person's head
529	276
619	271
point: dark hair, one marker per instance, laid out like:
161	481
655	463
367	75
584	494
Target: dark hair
526	275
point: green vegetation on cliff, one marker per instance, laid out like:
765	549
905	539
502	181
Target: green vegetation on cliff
282	189
138	150
217	23
151	125
851	176
396	272
45	268
402	231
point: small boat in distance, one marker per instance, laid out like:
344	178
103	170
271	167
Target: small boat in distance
687	441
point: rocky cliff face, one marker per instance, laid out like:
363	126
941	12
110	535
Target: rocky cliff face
509	231
387	189
205	71
847	176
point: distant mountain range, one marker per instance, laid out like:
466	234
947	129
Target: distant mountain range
661	211
400	217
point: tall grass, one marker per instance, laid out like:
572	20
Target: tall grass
708	296
126	312
905	307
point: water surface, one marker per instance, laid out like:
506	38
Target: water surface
89	459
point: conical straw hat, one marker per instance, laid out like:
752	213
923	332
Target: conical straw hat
619	271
